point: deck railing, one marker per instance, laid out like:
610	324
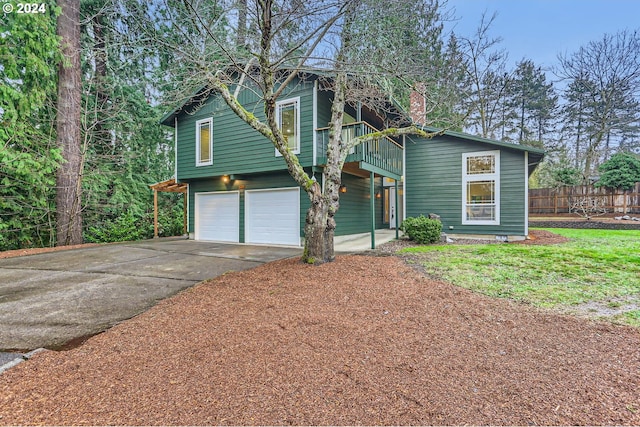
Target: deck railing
382	153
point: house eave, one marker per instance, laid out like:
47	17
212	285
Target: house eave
168	119
536	155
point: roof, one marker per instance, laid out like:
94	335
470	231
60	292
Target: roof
168	118
199	94
170	186
535	154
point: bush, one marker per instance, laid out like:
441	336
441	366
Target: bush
620	171
422	229
126	227
566	175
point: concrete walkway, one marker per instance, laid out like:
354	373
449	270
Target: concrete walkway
362	242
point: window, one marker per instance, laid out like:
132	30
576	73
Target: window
204	142
288	119
481	188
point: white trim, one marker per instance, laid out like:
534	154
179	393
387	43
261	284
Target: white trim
295	101
196	218
247	210
315	122
526	193
494	176
209	121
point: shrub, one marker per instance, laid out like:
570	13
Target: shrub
126	227
422	229
620	171
566	175
170	221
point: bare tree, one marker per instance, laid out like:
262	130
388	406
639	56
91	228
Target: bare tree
487	78
69	178
289	39
605	77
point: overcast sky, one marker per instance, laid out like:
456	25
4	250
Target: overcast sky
541	29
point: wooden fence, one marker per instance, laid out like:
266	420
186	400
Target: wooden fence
560	200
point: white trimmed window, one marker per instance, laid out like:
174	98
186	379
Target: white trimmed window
288	119
204	142
481	188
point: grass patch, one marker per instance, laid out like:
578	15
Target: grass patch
594	266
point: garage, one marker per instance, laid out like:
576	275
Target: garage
217	216
273	216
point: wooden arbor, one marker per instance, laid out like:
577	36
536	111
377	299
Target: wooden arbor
168	186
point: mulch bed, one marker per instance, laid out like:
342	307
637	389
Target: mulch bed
542	237
362	340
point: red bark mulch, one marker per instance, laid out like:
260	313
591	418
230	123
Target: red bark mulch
362	340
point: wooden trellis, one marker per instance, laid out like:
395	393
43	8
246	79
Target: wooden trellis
168	186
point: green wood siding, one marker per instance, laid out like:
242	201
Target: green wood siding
237	148
255	182
354	215
324	108
433	184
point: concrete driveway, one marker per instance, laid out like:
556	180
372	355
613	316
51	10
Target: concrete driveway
50	299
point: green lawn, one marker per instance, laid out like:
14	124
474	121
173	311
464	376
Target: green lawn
597	272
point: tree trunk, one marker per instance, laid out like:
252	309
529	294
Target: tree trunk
320	224
319	229
68	180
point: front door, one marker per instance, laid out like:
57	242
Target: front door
390	208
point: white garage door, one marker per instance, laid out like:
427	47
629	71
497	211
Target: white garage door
217	216
273	216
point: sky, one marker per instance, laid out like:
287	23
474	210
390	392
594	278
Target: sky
541	29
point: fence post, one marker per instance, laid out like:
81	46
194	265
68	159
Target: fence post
612	202
555	203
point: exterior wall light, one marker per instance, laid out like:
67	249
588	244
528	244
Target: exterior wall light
343	188
225	179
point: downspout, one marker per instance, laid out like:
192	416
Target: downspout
315	124
175	148
404	178
396	205
526	193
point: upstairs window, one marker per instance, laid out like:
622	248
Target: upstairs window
204	142
481	188
288	119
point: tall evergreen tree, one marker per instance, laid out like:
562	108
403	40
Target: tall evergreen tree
124	146
532	102
68	119
28	154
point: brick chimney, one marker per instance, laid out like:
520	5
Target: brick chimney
417	104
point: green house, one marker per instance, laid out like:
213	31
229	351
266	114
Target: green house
239	189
